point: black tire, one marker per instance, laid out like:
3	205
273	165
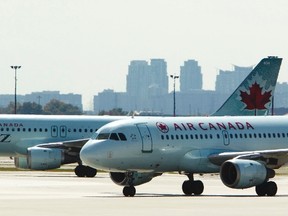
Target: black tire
198	187
261	189
129	191
187	187
90	172
80	171
271	188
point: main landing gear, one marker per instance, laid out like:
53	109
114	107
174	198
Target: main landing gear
85	171
266	188
129	191
190	186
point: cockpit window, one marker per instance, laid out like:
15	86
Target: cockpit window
102	136
122	136
114	136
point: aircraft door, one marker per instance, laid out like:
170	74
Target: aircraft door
63	131
147	145
54	131
226	139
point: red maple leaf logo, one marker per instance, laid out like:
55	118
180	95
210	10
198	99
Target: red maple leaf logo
162	127
255	100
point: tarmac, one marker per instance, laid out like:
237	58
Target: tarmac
62	193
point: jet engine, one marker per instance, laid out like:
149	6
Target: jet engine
131	178
243	173
39	158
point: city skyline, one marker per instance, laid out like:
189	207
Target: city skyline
85	47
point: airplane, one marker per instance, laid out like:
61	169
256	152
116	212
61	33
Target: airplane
40	142
245	150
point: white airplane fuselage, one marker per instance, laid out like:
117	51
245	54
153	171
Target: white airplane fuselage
182	144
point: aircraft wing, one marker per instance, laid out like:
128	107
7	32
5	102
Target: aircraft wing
272	158
71	146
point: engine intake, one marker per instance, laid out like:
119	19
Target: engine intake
241	173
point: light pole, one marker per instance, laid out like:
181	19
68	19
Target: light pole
174	99
15	95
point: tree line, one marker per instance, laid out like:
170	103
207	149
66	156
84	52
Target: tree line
54	107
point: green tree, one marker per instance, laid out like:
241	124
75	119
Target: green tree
30	108
114	112
56	107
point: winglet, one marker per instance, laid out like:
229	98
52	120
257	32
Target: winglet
254	94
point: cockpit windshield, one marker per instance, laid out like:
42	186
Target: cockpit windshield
111	136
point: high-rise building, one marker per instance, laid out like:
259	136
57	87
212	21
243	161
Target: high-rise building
190	76
137	78
227	81
159	77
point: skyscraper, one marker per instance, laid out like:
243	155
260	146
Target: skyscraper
190	76
227	81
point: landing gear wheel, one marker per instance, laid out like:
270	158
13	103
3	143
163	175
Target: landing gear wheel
261	189
187	187
192	187
267	188
271	188
90	172
82	171
129	191
198	187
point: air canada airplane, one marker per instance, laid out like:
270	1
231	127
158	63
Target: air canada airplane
244	150
46	142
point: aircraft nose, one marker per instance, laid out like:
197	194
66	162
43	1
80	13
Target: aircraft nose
89	154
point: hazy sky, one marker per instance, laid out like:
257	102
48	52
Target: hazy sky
85	46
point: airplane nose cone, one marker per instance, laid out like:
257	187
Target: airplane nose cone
88	154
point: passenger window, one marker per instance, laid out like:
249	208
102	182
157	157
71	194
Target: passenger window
172	137
191	136
167	137
162	137
122	136
218	136
206	136
114	136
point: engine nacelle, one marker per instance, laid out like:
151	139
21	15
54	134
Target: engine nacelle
241	173
131	178
39	158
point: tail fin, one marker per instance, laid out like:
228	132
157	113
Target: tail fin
254	95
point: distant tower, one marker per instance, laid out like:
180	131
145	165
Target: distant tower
190	76
227	81
137	78
159	77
